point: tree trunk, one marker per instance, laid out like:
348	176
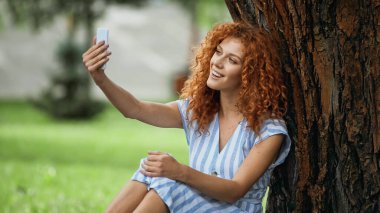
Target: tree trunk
330	51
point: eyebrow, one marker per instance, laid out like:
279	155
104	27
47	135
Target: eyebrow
230	53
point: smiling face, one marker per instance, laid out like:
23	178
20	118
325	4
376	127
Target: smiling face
226	66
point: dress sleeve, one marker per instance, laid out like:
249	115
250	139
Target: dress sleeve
274	127
182	108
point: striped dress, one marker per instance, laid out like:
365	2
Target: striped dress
205	157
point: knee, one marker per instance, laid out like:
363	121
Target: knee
151	203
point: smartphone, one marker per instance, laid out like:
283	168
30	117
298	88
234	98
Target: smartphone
102	35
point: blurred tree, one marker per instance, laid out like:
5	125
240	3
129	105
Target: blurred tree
69	93
330	51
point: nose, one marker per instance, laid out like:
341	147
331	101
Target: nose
218	62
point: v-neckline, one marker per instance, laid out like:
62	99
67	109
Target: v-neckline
220	151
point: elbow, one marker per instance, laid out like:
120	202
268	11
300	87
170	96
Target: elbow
131	113
126	115
234	196
233	199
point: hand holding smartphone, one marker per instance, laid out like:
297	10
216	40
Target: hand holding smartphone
102	35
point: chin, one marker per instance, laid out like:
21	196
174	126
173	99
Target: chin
211	84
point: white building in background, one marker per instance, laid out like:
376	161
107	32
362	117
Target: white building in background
149	45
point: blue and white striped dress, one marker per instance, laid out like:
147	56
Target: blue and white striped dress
205	157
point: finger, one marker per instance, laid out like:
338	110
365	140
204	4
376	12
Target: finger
150	174
94	40
88	62
155	153
150	168
101	49
153	158
159	153
93	48
151	163
91	61
98	64
99	57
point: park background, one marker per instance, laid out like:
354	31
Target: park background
56	162
330	53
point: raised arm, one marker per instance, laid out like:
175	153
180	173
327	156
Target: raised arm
157	114
253	167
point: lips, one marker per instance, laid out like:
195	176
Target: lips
216	74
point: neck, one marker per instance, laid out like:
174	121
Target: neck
228	105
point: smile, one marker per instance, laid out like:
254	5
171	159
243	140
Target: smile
216	74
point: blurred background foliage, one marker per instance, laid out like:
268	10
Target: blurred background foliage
77	164
68	95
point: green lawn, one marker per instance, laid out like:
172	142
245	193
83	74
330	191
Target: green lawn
72	166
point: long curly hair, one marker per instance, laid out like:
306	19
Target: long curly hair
262	92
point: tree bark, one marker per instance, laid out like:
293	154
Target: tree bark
330	51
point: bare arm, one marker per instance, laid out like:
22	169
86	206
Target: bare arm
253	167
157	114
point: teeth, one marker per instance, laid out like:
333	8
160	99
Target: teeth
215	73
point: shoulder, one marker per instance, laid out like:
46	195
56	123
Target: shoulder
183	103
268	128
273	126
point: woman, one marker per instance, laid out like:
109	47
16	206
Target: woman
230	109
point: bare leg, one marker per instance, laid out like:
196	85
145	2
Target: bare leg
128	198
152	203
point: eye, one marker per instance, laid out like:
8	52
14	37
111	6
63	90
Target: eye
232	61
218	51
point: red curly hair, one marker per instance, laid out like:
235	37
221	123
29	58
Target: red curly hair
262	91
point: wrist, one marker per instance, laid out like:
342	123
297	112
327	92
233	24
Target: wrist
183	173
99	78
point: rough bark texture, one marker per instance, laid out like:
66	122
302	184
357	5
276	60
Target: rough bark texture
331	59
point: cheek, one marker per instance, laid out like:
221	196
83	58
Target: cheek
212	60
237	76
236	72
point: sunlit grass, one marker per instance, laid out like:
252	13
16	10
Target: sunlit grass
72	166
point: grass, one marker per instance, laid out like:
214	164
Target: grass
72	166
